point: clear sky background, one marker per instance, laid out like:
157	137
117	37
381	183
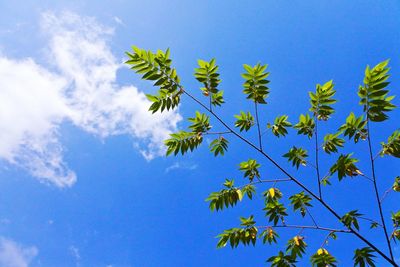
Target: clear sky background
82	174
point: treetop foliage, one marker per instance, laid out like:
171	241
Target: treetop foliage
376	102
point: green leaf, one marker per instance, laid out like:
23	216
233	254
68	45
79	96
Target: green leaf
219	146
250	169
244	121
282	260
396	184
392	147
345	166
322	258
207	73
396	219
272	195
350	219
269	236
396	235
297	156
305	125
275	212
332	142
255	85
364	257
182	142
156	67
200	123
246	235
280	125
227	197
322	100
354	127
296	247
373	93
300	202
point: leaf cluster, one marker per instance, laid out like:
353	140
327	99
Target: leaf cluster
322	100
280	125
246	235
374	96
300	201
344	166
255	85
229	196
250	169
350	219
269	235
282	260
156	67
392	147
305	125
207	73
332	142
297	156
396	184
275	211
244	121
363	257
322	258
354	127
296	247
219	146
183	142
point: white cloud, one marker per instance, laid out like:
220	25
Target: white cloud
181	165
75	253
80	87
13	254
119	21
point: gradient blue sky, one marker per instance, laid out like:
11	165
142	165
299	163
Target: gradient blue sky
78	188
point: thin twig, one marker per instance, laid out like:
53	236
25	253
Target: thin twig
258	126
216	133
370	220
316	158
267	181
366	177
326	239
312	218
307	227
377	191
385	194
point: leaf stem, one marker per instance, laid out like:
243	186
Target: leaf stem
316	158
258	126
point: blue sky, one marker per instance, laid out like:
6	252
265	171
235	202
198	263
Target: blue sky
83	179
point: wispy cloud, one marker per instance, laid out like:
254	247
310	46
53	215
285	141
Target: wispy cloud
119	21
80	87
182	166
75	253
13	254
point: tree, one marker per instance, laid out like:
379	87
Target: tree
376	104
